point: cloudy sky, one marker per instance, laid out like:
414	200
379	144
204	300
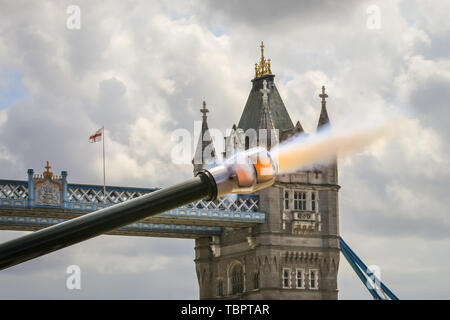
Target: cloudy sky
143	68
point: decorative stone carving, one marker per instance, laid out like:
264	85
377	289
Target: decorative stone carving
215	246
48	193
47	189
251	242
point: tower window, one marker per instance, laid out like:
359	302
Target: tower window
313	279
237	279
299	200
300	278
313	201
247	142
286	278
220	288
256	280
286	200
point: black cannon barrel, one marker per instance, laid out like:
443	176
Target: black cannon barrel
96	223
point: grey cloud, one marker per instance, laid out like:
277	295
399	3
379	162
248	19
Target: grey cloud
264	15
111	109
143	70
46	276
430	101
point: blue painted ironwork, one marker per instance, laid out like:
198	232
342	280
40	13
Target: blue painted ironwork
364	273
360	274
82	198
138	226
14	193
13	189
216	214
90	197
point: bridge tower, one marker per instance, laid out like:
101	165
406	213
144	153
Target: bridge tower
295	254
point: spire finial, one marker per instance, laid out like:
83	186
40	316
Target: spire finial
47	173
323	95
323	119
204	110
264	66
262	50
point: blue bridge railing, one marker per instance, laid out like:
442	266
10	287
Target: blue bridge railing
80	197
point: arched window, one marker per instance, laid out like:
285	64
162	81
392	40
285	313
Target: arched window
237	279
220	288
286	278
256	280
314	279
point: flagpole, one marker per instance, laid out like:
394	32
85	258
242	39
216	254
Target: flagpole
104	179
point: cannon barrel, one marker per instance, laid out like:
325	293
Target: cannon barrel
246	172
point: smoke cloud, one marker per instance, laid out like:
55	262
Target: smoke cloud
328	143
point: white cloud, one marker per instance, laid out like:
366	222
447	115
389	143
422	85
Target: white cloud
143	69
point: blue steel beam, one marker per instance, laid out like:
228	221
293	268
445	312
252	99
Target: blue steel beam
240	209
361	264
140	227
360	274
182	214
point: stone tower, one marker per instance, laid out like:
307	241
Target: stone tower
295	254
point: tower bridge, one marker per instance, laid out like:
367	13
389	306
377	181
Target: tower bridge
281	242
45	199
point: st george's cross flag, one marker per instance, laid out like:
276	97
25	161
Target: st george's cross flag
97	136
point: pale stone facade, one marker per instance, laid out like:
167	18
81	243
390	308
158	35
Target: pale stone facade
295	254
293	240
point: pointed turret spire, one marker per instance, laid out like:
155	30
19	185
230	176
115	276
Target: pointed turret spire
205	151
255	101
330	170
298	127
266	120
204	111
323	119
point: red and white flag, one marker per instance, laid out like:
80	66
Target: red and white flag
97	136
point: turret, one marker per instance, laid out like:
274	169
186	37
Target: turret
205	153
331	169
323	119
